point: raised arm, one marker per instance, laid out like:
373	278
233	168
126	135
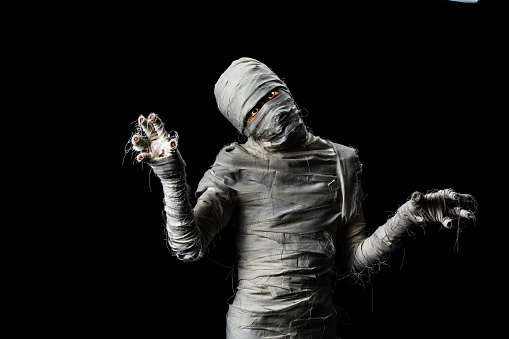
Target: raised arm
189	230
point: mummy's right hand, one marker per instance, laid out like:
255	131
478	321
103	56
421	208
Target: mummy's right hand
157	144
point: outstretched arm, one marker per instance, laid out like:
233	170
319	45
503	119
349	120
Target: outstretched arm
189	230
442	206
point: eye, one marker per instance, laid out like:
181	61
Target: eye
252	114
271	95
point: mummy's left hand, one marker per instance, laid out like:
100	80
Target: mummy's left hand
442	206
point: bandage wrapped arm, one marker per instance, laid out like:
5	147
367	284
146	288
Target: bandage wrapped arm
189	230
442	206
358	252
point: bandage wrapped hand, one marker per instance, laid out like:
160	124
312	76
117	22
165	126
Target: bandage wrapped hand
157	144
443	206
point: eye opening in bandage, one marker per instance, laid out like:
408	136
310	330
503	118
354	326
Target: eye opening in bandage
266	98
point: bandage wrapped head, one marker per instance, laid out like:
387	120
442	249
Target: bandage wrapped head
278	124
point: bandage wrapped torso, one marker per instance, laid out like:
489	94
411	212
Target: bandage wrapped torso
284	218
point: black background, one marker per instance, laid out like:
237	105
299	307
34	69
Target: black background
410	86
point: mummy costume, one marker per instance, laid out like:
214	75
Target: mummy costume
295	204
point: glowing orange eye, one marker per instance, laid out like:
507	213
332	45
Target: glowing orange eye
252	114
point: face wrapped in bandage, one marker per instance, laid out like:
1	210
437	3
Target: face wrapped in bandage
259	104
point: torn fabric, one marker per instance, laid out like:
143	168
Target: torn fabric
287	206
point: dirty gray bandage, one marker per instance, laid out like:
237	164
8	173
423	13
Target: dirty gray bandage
387	238
442	206
278	125
284	237
183	234
190	230
241	86
286	188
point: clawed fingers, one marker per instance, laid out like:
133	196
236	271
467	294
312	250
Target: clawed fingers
448	223
461	204
456	212
157	143
444	206
147	127
153	127
144	157
465	197
158	126
140	143
173	145
462	213
451	194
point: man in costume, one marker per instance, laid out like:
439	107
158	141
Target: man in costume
294	202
